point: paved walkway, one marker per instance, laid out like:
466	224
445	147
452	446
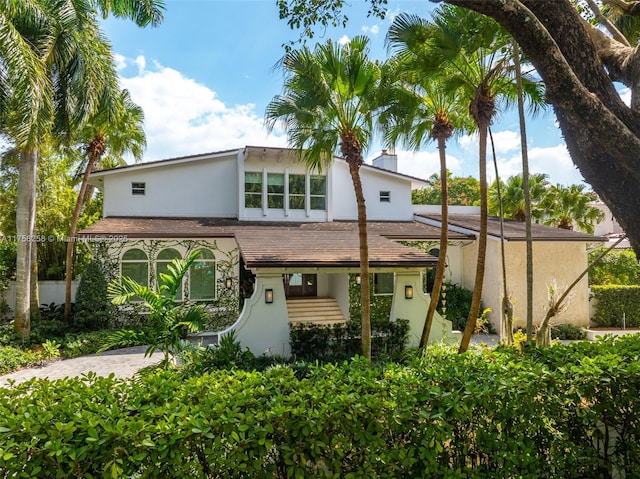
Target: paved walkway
123	363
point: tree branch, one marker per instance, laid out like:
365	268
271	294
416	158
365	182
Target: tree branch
617	34
628	8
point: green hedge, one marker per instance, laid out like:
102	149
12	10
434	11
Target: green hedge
530	414
614	301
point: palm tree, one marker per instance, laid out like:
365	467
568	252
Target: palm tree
473	48
513	196
327	107
56	67
115	129
427	111
566	206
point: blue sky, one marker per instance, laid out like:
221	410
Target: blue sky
205	76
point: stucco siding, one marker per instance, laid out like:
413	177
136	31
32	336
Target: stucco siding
203	188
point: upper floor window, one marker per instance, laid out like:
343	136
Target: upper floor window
385	197
275	190
297	192
252	189
138	188
318	192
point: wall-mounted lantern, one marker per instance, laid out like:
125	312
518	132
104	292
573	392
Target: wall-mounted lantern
408	292
268	296
358	279
228	283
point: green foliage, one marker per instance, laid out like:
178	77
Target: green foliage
612	302
168	320
14	357
565	411
93	309
464	191
227	354
342	341
616	267
7	273
568	332
458	304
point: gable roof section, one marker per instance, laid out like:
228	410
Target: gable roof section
269	244
513	230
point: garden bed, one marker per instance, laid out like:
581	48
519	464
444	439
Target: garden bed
593	333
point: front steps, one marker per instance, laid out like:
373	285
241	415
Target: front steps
322	311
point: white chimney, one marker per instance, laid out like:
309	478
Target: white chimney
386	161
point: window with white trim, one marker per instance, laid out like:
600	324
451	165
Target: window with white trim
318	192
135	265
138	188
202	277
165	257
275	190
383	283
252	189
297	192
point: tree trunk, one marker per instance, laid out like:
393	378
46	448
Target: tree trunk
365	296
72	236
506	317
470	326
444	240
25	229
34	300
525	190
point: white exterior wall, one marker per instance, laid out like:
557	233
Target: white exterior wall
204	188
48	291
561	262
373	182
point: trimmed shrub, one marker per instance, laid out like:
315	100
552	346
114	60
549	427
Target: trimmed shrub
92	308
612	302
567	411
568	332
617	267
342	341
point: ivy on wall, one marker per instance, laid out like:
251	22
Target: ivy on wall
223	311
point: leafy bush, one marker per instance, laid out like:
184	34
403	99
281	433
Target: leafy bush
342	341
617	267
568	332
12	358
458	304
566	411
612	302
92	308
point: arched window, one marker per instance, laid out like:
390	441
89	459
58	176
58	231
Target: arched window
202	277
135	265
162	266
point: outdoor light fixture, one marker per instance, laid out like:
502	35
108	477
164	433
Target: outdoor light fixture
358	279
408	292
228	283
268	296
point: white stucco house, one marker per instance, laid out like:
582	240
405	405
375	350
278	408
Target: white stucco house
286	239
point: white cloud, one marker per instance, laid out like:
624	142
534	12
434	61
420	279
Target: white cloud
372	29
505	141
183	117
343	40
120	61
625	94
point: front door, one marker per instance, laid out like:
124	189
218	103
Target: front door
299	285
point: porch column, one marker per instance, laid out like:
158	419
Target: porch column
413	309
263	326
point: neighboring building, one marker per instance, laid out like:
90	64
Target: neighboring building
286	239
609	227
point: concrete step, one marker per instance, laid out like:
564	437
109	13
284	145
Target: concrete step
314	311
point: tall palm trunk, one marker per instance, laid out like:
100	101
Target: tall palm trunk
506	323
525	189
444	239
94	155
34	296
25	229
353	154
470	326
